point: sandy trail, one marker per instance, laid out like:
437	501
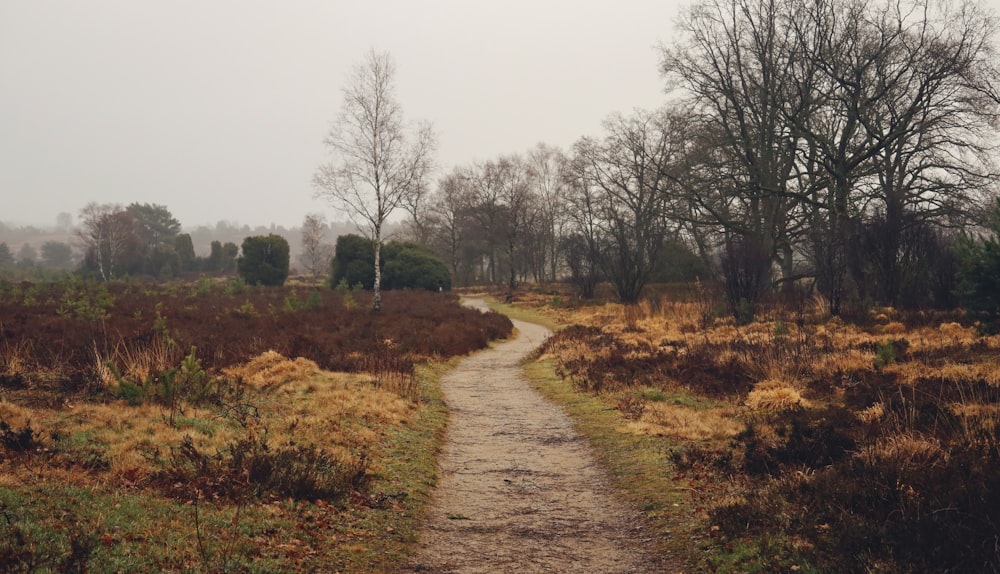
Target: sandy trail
520	490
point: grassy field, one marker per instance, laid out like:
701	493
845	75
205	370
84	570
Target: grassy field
176	429
798	443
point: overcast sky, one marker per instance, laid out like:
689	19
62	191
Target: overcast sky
217	109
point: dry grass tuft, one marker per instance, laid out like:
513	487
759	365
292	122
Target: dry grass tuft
957	331
873	413
978	420
893	328
102	372
816	308
333	396
948	373
976	410
773	395
138	437
270	369
15	359
907	452
14	415
143	362
955	372
830	365
668	420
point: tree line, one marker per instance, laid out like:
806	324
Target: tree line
143	239
146	240
53	255
843	144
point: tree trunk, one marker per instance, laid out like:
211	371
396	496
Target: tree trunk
377	286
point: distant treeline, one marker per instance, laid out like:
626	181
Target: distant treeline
153	243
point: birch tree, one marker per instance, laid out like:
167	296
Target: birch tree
377	164
107	233
316	253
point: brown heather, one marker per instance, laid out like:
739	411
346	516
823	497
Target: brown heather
827	444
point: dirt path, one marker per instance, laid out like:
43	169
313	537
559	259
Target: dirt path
520	490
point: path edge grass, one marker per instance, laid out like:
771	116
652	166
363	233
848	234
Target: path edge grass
410	454
638	466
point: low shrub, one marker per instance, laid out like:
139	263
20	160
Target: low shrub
618	364
251	467
797	438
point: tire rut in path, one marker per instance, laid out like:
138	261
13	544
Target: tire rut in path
520	490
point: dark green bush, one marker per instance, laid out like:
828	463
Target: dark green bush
353	262
221	259
265	260
410	266
404	265
979	276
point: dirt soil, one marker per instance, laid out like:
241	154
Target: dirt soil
520	489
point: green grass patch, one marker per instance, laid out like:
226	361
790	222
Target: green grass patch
58	528
653	395
523	314
206	427
759	557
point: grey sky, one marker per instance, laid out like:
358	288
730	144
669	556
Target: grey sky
218	109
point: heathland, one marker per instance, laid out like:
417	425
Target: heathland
799	442
211	426
216	427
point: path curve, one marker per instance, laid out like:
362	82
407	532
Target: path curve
520	490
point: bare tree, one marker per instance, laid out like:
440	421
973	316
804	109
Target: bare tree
64	221
500	204
449	214
581	245
377	165
817	117
513	180
632	175
419	228
316	254
905	102
547	165
735	61
487	212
